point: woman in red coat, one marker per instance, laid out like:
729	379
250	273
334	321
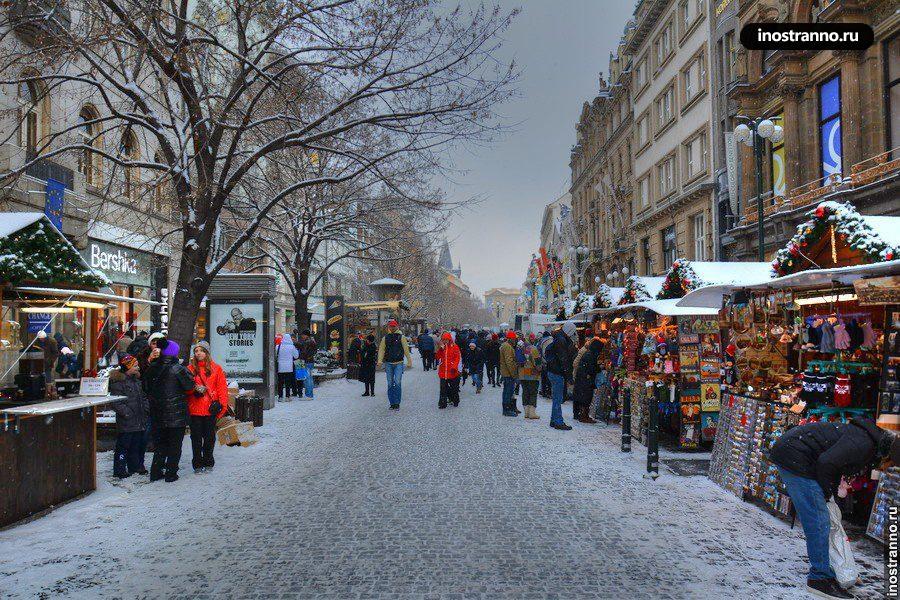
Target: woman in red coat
448	357
210	387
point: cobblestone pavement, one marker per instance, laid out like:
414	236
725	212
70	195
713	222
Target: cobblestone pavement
345	499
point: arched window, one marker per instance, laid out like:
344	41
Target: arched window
128	151
89	162
162	190
35	117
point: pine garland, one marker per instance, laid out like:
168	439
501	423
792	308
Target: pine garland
635	291
849	226
37	253
603	297
680	280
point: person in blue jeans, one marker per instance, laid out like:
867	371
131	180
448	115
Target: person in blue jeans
811	460
559	356
307	350
392	352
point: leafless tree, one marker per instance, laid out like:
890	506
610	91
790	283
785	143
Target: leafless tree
222	88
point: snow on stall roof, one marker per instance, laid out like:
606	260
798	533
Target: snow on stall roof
719	273
652	284
668	308
14	221
615	294
387	281
887	228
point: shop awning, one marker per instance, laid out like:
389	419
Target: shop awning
82	294
711	296
668	308
385	305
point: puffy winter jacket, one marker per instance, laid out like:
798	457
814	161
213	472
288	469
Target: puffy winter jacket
584	372
825	451
475	360
167	382
560	354
425	342
217	389
308	349
286	353
132	413
448	358
491	352
508	366
529	360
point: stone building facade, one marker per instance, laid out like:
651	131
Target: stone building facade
841	117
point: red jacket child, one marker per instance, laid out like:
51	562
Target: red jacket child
448	357
212	377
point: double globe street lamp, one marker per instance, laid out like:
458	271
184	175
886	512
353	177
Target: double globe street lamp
754	134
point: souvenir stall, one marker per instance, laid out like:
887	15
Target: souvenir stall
803	347
47	444
642	353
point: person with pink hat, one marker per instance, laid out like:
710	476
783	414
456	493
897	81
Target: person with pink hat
392	351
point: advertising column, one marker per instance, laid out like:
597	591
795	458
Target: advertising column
236	339
335	327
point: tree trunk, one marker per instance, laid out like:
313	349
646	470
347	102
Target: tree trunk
189	291
301	300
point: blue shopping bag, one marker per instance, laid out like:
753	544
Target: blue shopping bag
300	373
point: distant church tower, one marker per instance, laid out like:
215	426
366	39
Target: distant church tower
445	262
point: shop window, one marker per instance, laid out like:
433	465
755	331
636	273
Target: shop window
892	52
665	176
830	126
670	252
696	156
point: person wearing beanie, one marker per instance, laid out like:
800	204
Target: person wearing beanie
475	365
559	355
584	373
448	367
285	355
811	460
426	349
509	372
528	359
368	356
207	403
392	351
132	417
167	383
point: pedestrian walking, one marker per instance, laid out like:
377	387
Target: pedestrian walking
492	359
307	350
475	365
132	416
449	359
509	373
811	460
545	341
584	373
392	352
207	403
368	358
426	347
559	356
167	384
285	355
528	359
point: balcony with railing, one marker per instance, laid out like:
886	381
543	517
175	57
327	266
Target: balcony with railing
875	169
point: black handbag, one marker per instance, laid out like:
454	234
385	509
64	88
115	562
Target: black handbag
215	407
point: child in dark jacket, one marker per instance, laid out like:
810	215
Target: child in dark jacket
132	415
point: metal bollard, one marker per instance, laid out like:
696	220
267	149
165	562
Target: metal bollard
653	433
626	419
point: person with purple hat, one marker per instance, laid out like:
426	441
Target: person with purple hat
167	382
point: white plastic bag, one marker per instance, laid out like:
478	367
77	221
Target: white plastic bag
839	552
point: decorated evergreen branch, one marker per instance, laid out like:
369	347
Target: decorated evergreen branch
846	225
561	315
581	303
603	297
635	291
37	253
680	280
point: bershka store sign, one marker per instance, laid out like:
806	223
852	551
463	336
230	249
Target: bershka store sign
119	263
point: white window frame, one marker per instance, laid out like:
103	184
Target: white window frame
698	230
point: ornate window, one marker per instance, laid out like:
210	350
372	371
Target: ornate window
830	126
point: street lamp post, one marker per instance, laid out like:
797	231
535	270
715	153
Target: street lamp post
754	134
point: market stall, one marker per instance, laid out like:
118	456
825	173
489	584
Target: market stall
811	344
48	292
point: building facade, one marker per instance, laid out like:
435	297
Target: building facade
674	188
503	303
841	117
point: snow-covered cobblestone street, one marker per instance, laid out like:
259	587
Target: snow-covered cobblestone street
346	499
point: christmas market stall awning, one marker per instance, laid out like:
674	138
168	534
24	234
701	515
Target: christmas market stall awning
34	251
667	308
815	279
685	276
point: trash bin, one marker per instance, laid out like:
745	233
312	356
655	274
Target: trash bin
249	408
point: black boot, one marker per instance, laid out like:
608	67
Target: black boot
826	588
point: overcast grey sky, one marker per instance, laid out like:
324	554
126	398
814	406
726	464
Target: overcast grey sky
561	47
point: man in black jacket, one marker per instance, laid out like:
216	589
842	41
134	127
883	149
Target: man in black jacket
811	459
559	356
167	382
585	376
